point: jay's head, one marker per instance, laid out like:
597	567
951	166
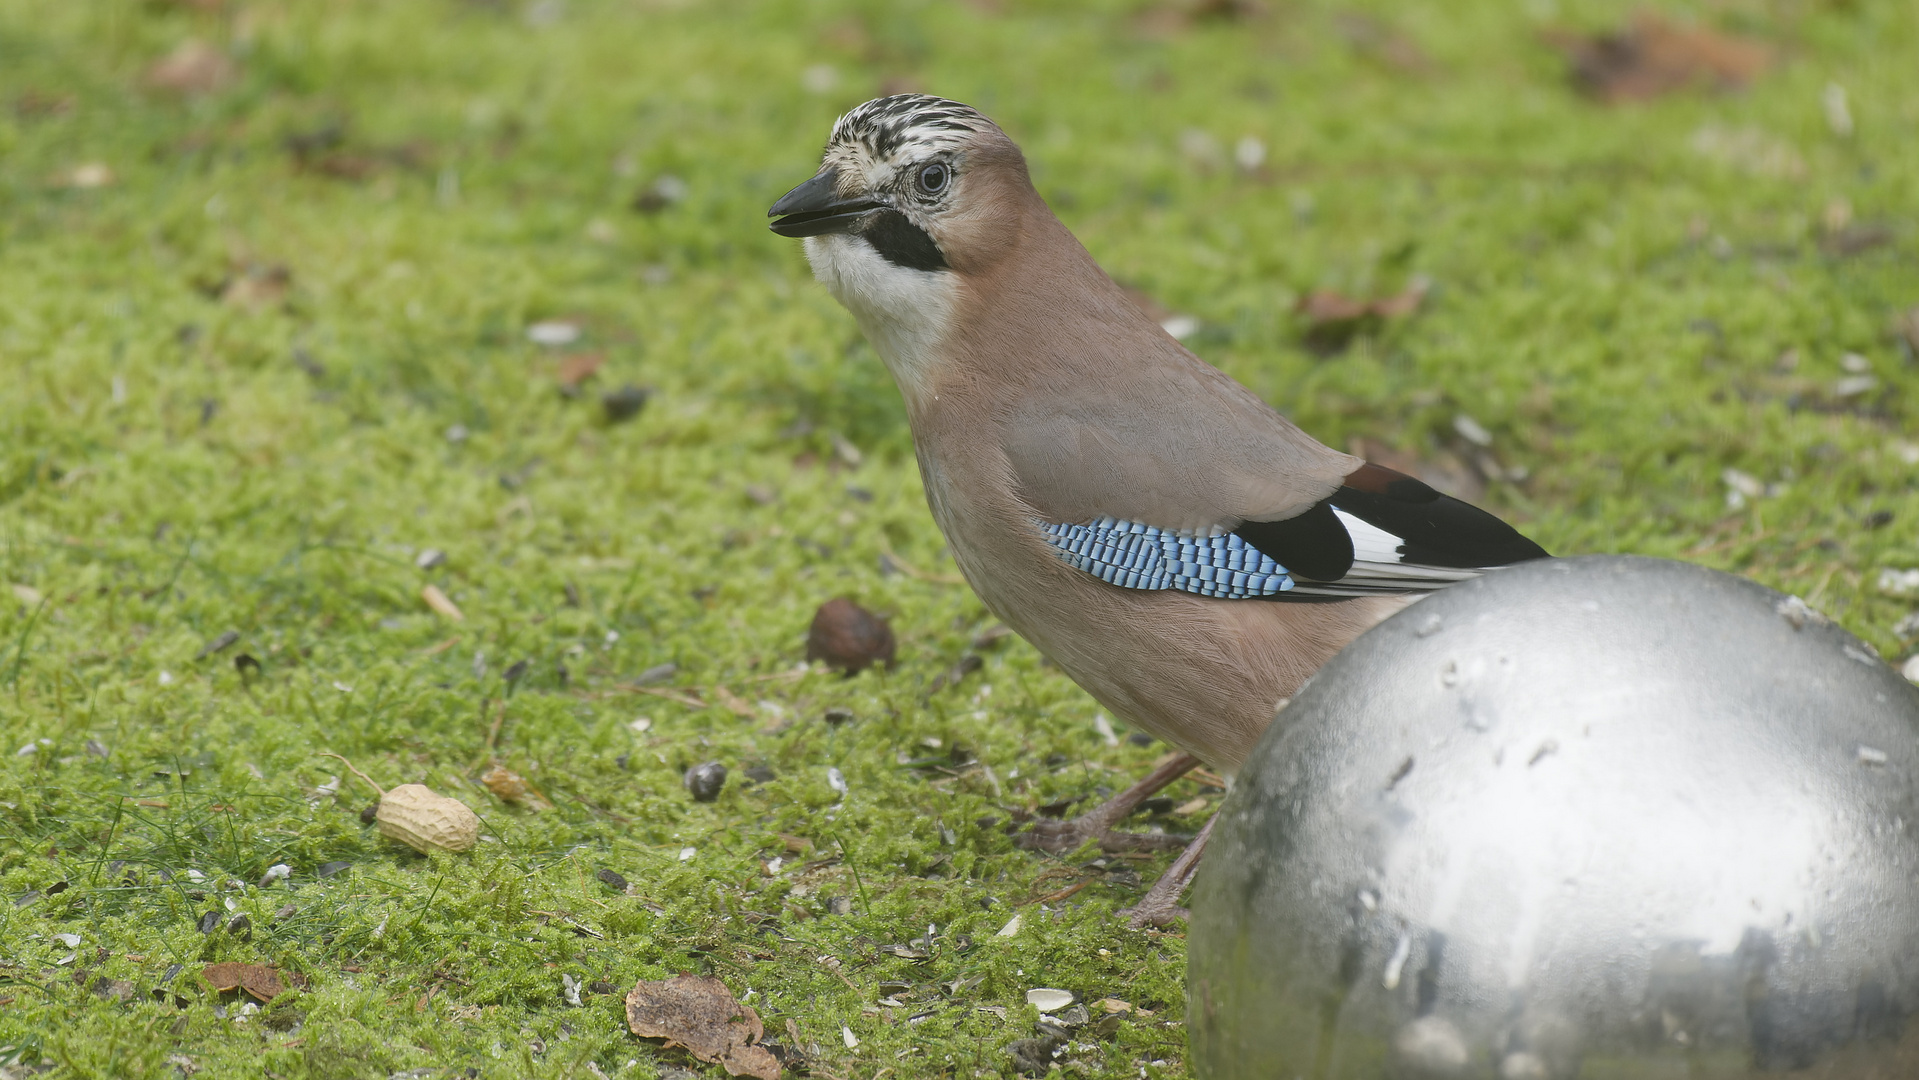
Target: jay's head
922	184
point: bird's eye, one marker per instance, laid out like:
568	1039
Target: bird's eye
932	179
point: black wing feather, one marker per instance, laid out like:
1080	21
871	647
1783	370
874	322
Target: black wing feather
1434	530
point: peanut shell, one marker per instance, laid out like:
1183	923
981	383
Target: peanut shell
422	820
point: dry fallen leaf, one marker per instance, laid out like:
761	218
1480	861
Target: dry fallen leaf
1334	319
257	979
194	68
1657	57
579	367
257	287
849	637
702	1015
734	703
509	786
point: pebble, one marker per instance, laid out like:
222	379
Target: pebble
553	333
705	781
625	403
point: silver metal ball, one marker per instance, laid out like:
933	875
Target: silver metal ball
1607	818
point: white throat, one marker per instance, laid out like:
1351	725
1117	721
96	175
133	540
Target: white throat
904	313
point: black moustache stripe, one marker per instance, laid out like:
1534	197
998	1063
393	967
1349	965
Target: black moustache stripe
903	243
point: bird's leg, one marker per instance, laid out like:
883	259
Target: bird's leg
1097	824
1160	905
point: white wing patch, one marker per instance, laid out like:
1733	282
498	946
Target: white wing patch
1378	566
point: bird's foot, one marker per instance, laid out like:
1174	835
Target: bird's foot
1160	905
1060	837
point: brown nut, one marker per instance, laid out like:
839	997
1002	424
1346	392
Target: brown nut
422	820
849	637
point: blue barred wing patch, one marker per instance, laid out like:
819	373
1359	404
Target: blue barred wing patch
1136	556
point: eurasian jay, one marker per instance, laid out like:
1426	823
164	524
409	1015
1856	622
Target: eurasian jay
1176	546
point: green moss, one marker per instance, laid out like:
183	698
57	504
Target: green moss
1613	292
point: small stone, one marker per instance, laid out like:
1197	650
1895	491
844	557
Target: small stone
276	872
613	880
836	717
1896	582
553	333
656	673
705	781
1910	669
337	866
430	558
1855	385
625	403
847	636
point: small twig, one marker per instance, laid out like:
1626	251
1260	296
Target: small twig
669	694
912	571
441	647
493	733
356	772
1055	897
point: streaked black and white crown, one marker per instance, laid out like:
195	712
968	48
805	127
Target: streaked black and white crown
884	125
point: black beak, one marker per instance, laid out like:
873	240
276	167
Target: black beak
815	208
